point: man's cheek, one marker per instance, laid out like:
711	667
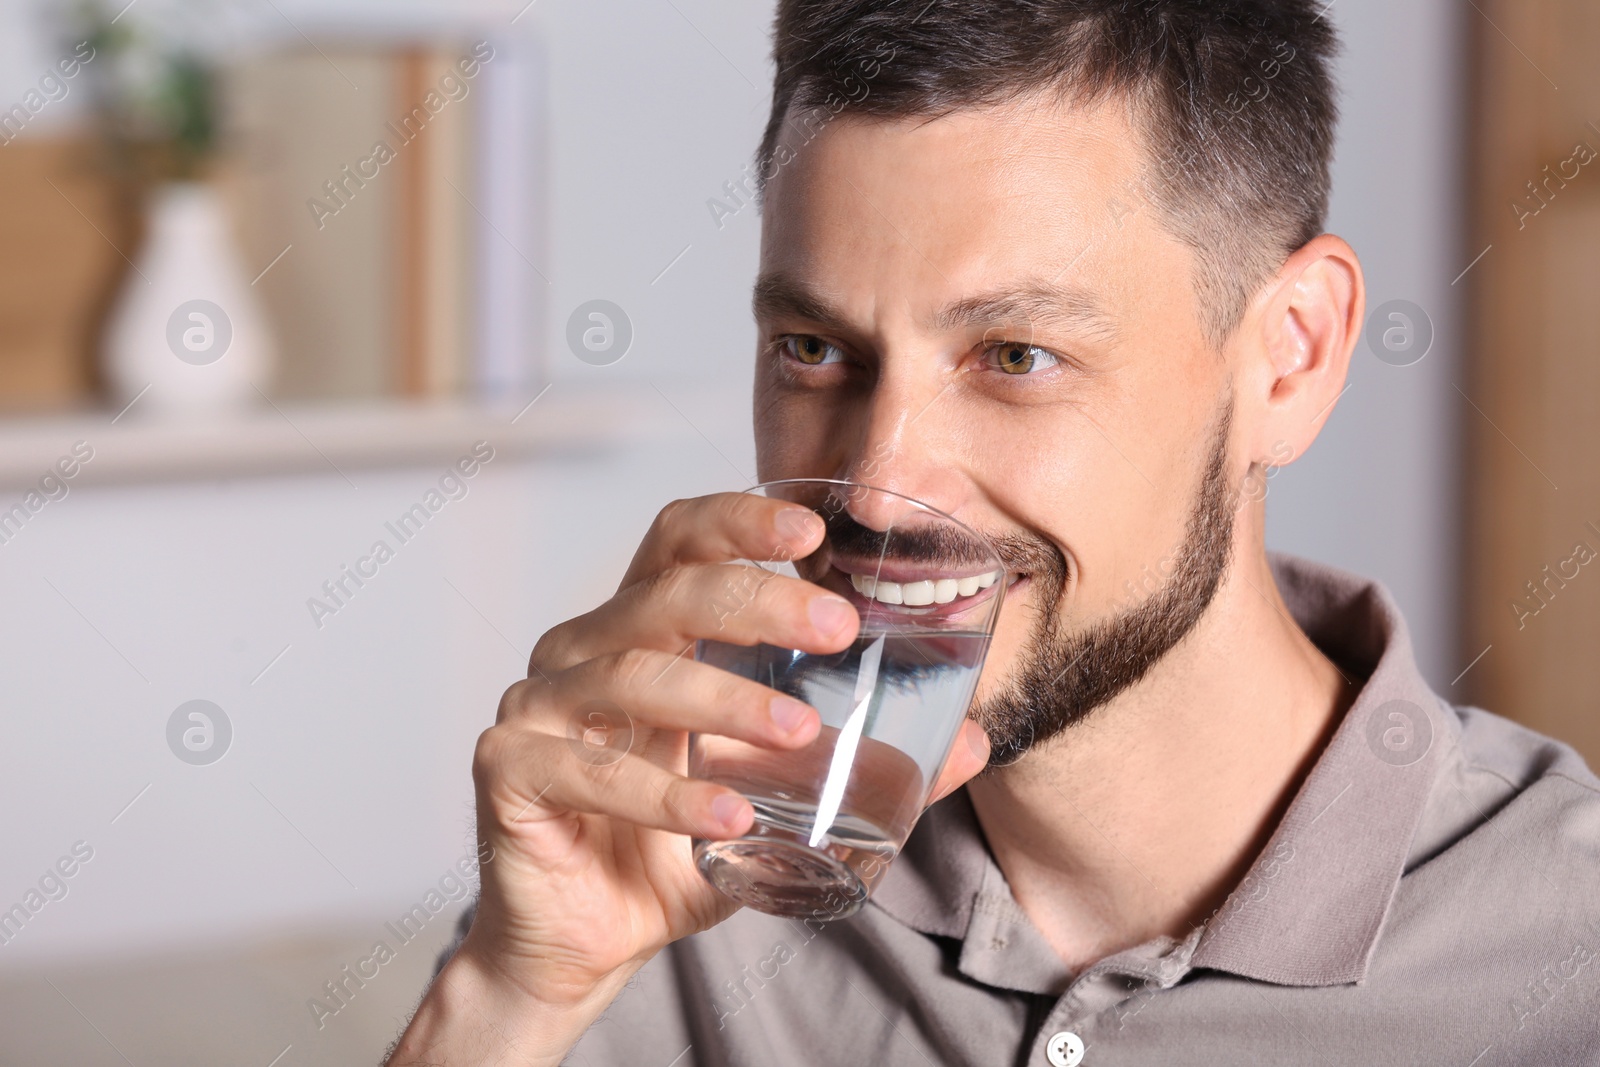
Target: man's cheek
796	439
1011	637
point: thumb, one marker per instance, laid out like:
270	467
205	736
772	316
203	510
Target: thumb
969	756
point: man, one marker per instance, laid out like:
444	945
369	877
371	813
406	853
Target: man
1057	268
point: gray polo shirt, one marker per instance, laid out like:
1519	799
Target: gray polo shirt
1432	896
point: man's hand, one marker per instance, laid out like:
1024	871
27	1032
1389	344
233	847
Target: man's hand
591	871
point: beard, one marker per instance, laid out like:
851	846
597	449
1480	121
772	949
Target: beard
1063	677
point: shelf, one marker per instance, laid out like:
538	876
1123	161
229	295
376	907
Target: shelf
328	438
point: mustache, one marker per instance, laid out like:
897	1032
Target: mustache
943	545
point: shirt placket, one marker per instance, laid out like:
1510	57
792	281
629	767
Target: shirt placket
1103	999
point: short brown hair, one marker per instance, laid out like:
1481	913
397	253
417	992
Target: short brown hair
1234	99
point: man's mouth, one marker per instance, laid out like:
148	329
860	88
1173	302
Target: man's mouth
922	592
921	587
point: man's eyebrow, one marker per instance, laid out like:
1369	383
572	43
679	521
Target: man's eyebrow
1038	304
1034	303
781	296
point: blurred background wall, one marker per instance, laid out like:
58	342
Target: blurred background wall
220	898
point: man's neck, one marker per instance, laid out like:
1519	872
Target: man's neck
1139	821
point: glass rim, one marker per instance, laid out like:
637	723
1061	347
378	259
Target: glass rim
982	539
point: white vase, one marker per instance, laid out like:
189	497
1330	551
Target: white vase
187	331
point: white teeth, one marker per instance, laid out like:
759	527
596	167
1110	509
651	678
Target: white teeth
923	593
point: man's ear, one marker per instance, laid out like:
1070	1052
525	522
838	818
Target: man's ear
1299	335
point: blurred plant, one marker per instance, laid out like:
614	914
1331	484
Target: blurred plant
155	93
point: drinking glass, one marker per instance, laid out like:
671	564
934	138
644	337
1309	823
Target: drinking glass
830	817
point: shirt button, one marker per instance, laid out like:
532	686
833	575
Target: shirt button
1065	1049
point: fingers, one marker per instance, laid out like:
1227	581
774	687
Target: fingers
669	692
969	756
724	527
527	776
735	603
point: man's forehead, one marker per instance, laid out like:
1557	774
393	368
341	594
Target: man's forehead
1008	213
1037	140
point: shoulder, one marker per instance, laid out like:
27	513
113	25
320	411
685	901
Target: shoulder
1497	777
1495	921
1524	782
1518	809
1492	744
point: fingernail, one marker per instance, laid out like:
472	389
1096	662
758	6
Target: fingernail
796	524
830	614
727	808
788	713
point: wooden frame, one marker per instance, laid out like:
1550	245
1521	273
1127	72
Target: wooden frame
1532	559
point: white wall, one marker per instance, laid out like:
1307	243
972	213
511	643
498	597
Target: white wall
361	735
345	792
1378	493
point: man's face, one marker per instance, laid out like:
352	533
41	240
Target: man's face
982	312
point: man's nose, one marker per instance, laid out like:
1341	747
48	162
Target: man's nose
906	447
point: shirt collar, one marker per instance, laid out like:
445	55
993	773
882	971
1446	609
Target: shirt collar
1310	909
934	883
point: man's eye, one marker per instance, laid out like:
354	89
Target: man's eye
1016	358
811	350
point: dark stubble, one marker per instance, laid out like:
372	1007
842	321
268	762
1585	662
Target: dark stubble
1063	677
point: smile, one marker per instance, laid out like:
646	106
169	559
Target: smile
922	592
